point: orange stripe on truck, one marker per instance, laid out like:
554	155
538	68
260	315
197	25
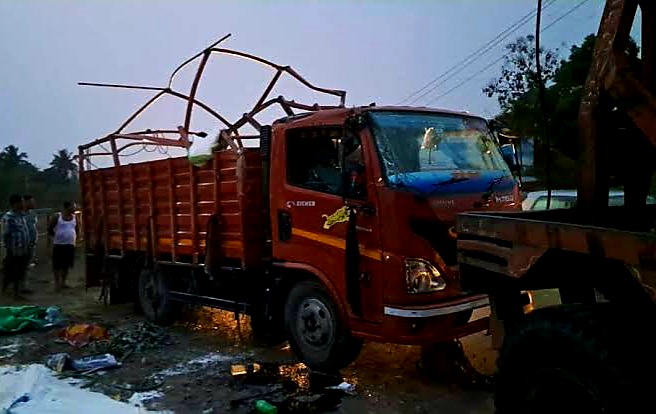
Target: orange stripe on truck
336	242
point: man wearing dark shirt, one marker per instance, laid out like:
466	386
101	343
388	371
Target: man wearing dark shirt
17	242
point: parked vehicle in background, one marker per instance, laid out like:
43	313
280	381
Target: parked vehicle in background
337	229
537	200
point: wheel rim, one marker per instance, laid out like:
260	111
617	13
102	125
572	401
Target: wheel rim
315	324
554	387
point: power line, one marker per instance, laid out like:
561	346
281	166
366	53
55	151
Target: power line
477	53
561	17
466	80
570	11
483	52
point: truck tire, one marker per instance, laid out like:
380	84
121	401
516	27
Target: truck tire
155	297
572	358
316	334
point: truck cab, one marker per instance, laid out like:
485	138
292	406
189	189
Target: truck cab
365	200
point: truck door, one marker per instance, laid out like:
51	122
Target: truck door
313	218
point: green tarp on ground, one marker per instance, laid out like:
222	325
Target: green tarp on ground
21	318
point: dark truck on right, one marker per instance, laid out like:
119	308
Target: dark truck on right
593	352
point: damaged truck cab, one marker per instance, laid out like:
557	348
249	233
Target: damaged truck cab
364	200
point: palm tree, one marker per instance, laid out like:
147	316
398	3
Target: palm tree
11	157
63	164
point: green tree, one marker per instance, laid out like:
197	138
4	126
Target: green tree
567	90
519	74
63	165
517	96
12	157
50	187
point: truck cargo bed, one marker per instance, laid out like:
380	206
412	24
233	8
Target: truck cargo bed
164	207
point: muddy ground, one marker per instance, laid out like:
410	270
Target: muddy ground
190	363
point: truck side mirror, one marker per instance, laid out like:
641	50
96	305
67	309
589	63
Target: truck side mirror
510	157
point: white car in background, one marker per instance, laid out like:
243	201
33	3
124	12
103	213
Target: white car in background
537	200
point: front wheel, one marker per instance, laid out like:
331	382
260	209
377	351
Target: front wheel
316	333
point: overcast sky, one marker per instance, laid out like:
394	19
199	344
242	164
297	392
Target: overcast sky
379	51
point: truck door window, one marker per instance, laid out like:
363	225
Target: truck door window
313	159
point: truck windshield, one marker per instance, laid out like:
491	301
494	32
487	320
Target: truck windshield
430	150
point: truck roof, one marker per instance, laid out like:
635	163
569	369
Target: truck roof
326	114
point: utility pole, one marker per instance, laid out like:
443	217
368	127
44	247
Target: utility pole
543	105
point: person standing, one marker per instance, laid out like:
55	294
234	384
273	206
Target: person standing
32	220
64	231
16	239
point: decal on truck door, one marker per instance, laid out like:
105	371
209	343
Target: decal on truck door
339	216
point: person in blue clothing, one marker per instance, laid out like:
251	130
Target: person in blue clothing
17	243
32	220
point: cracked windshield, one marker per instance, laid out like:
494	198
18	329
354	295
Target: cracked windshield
426	151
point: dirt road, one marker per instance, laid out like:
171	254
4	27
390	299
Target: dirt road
190	371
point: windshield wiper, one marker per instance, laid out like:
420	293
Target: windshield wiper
451	180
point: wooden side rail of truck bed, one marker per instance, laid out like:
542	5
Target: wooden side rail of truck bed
164	209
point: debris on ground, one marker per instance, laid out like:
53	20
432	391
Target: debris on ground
239	369
14	319
62	362
203	362
263	407
345	387
132	339
35	389
80	335
9	350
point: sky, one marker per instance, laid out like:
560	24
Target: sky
377	50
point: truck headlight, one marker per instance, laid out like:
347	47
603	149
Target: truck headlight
422	277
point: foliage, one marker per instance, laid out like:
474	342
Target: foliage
516	92
519	73
50	187
63	165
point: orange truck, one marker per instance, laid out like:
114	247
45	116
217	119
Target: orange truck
337	227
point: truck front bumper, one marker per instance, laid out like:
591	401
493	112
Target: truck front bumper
425	325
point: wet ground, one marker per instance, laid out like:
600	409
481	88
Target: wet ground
195	366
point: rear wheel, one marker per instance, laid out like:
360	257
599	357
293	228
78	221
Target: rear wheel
316	333
155	296
575	358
